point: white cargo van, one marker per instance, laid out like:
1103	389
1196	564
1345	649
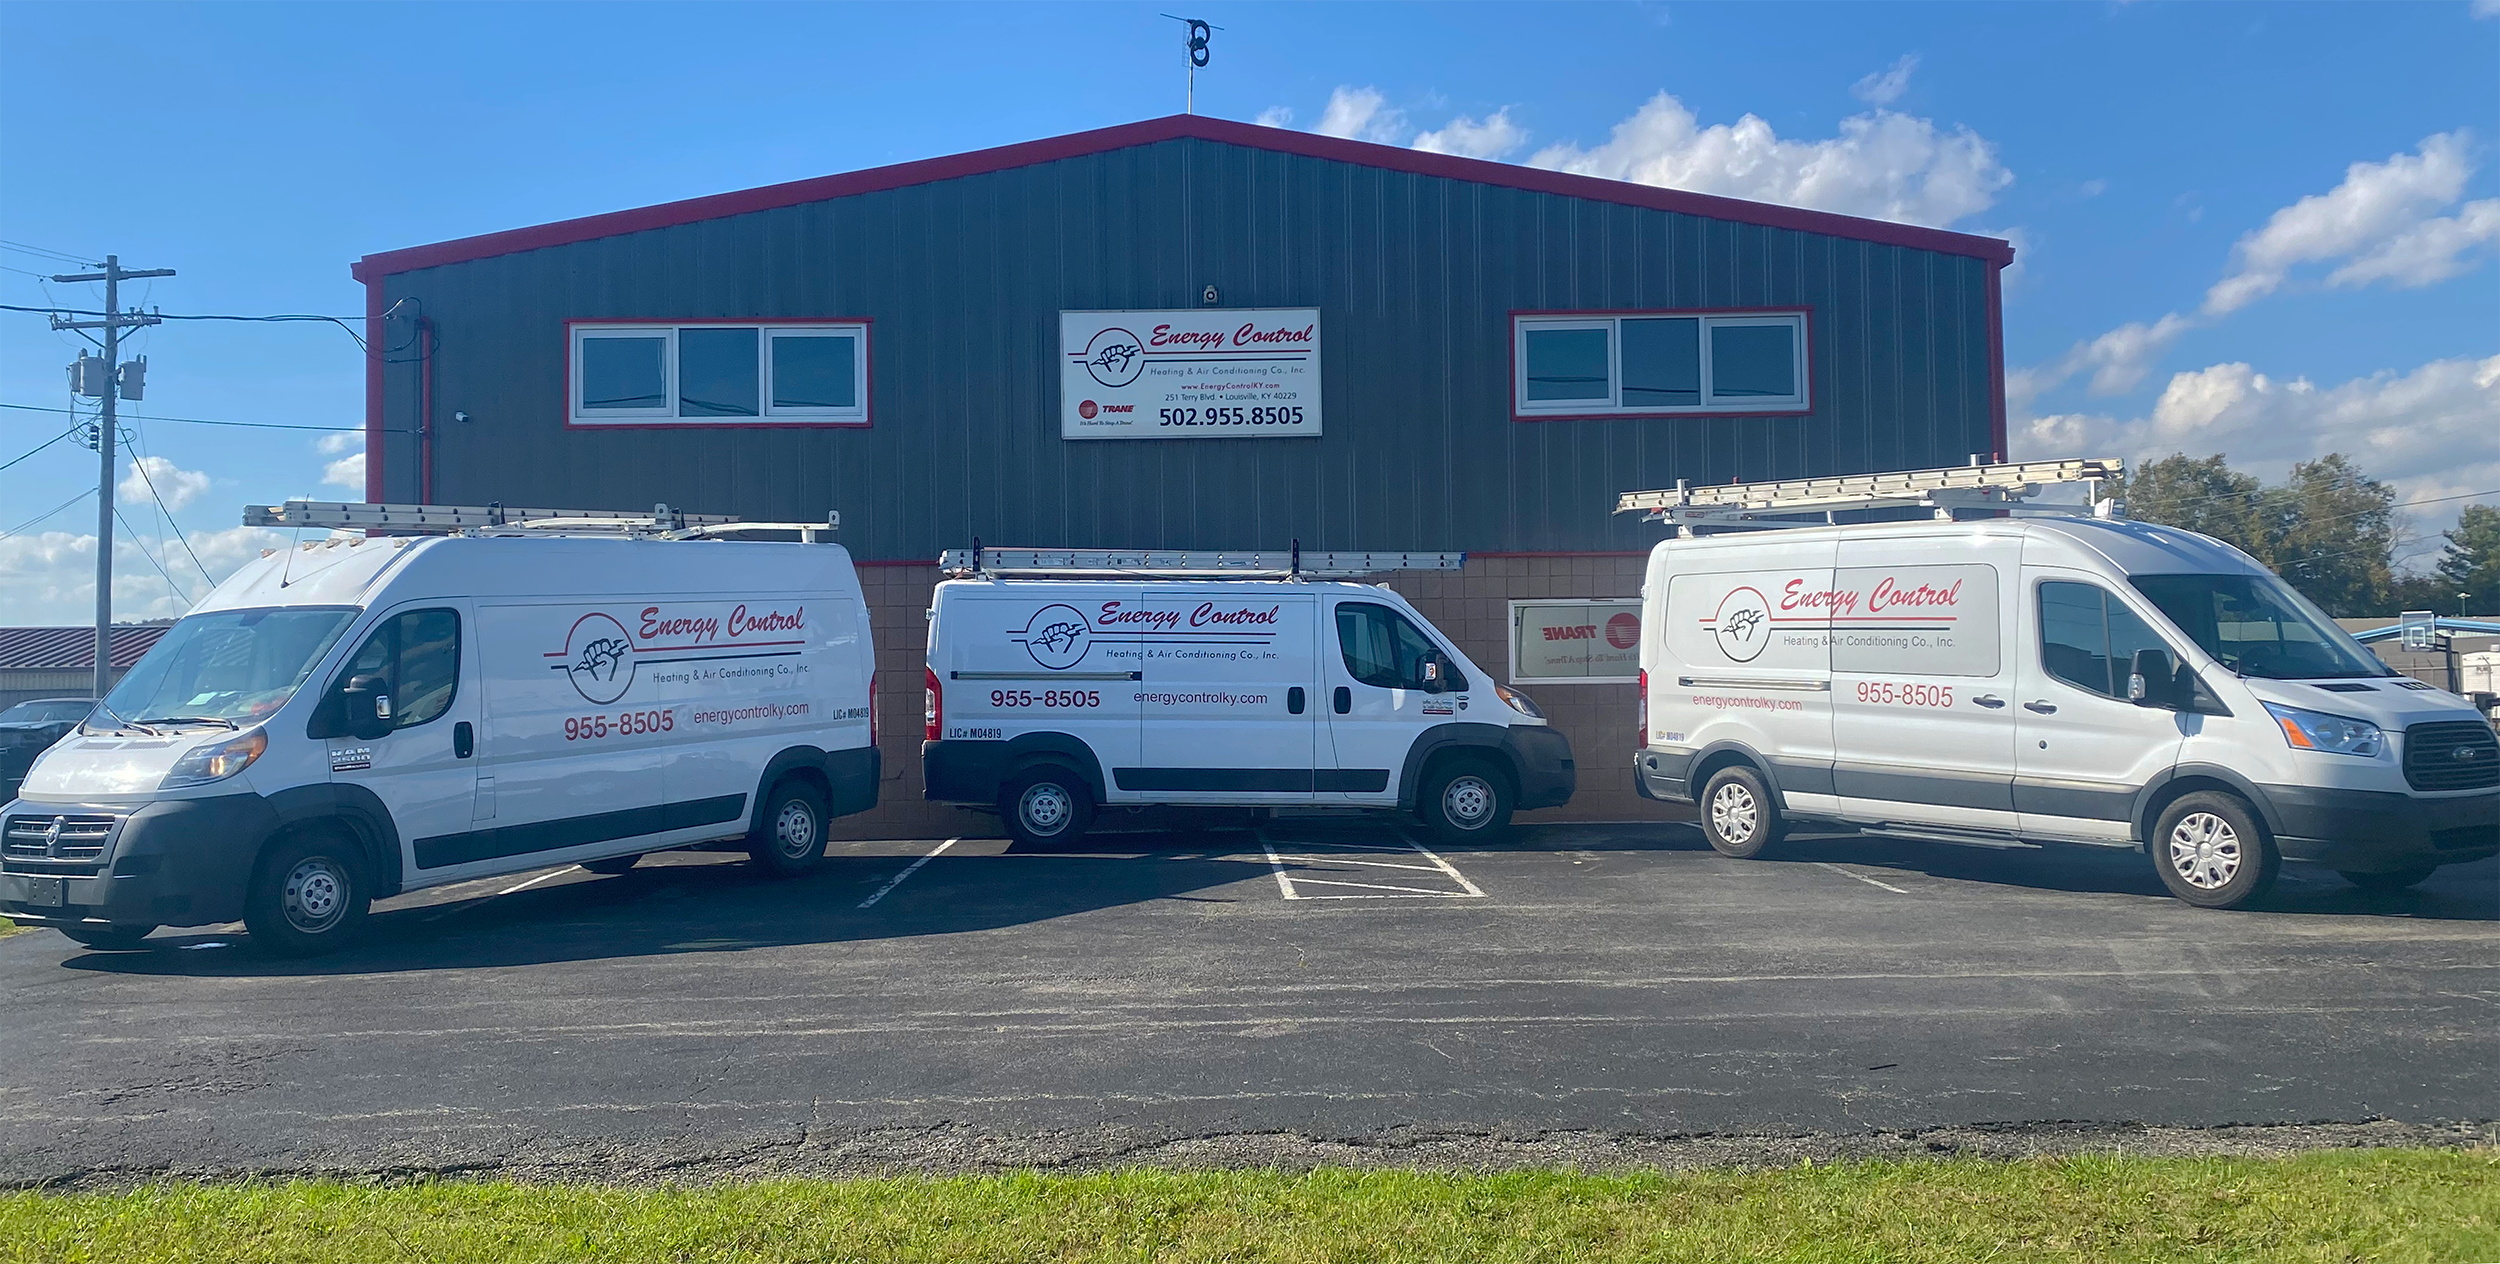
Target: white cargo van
2038	675
356	717
1066	679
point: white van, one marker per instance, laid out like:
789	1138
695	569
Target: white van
2049	677
357	717
1059	681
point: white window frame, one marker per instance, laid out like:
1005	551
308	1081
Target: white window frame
1612	405
1612	605
667	415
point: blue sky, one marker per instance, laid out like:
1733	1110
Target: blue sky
2335	169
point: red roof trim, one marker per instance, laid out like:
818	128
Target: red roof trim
1150	131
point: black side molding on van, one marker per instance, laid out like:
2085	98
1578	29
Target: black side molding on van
575	831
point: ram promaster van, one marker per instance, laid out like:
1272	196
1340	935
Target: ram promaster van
1063	680
2036	675
355	717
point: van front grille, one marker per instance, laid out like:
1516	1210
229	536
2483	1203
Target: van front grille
2452	755
51	839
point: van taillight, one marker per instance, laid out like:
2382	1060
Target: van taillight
933	712
1644	742
872	708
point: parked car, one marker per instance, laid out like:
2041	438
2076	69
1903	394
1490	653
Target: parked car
1056	690
30	727
356	718
2069	679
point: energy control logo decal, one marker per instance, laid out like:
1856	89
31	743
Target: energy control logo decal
1115	357
1743	625
1057	637
598	658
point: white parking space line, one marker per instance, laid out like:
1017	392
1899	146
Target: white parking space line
908	870
1860	877
1292	884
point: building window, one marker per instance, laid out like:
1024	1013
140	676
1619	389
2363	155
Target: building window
720	373
1640	364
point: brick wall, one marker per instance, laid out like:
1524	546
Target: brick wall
1472	607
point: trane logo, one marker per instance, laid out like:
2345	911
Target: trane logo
1584	632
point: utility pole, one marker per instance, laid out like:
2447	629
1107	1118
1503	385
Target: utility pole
104	382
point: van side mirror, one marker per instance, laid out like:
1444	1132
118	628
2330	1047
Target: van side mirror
2153	681
368	707
1436	674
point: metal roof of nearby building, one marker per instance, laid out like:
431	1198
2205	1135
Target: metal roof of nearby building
1281	140
69	649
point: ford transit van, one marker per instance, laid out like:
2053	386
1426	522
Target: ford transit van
2052	677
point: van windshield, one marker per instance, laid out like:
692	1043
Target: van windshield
234	666
2257	625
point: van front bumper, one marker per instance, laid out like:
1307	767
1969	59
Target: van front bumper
1547	775
2374	831
175	862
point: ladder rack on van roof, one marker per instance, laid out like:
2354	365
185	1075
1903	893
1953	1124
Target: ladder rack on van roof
1767	506
661	522
998	563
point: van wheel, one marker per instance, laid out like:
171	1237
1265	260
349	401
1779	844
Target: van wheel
792	839
1738	815
1466	801
2212	852
307	896
613	865
109	938
1044	805
2390	880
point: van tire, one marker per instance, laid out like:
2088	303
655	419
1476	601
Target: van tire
308	895
1466	801
1045	805
2389	880
2212	851
791	839
1738	814
613	865
110	938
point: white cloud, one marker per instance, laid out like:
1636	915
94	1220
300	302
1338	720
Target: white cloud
177	486
1361	114
1275	116
49	578
2428	431
2487	8
1884	87
2381	218
338	441
347	471
2093	188
1883	165
1496	137
2118	361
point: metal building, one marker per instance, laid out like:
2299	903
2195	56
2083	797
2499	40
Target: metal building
1190	332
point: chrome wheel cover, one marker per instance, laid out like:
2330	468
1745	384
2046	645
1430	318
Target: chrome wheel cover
316	892
2204	851
1467	801
1046	808
794	830
1733	812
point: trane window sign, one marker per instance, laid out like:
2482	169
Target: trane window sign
1575	642
1206	374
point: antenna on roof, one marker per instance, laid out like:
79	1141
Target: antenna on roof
1198	36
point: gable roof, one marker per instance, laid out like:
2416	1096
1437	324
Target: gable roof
73	649
1127	135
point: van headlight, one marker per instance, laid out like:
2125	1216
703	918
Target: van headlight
2318	731
217	761
1518	702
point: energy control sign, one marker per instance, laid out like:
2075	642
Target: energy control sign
1189	374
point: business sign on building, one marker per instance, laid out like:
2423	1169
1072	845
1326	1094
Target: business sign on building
1202	374
1576	642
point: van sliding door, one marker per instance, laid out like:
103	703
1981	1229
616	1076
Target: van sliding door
1228	698
1922	685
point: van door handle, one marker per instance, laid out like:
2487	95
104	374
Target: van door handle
463	740
2042	706
1293	700
1988	700
1344	700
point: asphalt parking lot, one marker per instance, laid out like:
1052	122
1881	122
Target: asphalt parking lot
960	1003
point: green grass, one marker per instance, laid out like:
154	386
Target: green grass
2393	1205
8	928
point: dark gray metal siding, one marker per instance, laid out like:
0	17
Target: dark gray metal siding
1414	276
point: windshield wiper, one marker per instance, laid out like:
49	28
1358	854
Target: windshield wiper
127	723
192	719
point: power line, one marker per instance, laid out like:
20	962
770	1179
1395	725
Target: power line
23	248
47	513
208	421
179	594
141	465
46	443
